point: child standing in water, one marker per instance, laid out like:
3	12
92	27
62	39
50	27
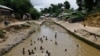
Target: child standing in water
56	35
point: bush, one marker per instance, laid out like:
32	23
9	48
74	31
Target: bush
76	17
34	13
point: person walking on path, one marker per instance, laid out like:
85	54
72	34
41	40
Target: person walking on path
6	22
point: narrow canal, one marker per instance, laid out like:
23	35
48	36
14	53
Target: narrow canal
45	43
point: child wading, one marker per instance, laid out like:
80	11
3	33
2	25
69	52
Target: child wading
56	35
23	51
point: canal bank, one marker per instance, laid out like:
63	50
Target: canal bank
77	35
63	45
16	37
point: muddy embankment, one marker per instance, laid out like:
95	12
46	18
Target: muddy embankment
16	34
80	37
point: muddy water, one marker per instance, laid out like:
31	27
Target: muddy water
73	46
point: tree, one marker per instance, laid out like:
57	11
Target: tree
60	5
80	4
89	4
55	10
34	13
20	6
66	5
1	2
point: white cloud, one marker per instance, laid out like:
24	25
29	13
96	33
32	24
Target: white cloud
46	3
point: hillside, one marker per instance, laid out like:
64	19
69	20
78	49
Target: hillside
93	20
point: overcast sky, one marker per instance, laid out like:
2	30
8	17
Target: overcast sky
46	3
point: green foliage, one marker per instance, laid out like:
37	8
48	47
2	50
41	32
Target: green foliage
77	14
88	5
69	10
80	14
76	17
80	4
60	5
1	1
34	13
66	5
56	9
20	6
97	6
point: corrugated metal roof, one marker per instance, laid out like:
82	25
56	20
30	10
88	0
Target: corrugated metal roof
5	7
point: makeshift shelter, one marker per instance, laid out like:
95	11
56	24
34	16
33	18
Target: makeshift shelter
5	12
